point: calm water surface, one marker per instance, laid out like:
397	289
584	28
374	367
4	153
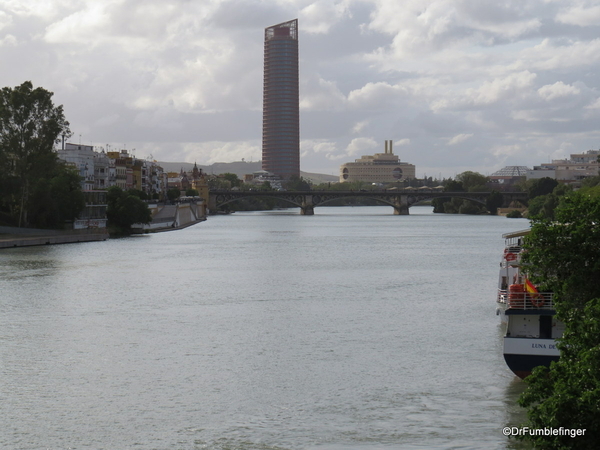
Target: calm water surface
351	329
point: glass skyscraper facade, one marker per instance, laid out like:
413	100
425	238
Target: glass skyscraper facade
281	116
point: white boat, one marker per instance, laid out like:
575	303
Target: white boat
531	328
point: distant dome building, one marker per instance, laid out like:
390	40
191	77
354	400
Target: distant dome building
511	171
508	176
378	168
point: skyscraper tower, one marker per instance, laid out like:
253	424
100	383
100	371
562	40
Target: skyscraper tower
281	116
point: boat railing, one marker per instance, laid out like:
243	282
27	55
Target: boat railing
526	300
514	248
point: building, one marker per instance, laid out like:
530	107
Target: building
570	171
123	163
82	158
102	178
507	177
200	184
259	177
93	214
378	168
281	114
101	170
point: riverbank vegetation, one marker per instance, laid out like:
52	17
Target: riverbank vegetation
124	209
467	182
36	189
563	251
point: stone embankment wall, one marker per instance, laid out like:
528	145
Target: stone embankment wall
25	237
174	217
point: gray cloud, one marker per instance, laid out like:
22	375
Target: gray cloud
463	84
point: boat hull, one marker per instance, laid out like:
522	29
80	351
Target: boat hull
522	355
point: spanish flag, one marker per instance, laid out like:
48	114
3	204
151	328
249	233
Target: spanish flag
529	287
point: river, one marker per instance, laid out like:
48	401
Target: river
350	329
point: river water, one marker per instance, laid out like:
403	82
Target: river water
350	329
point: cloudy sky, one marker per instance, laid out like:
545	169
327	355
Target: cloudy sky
457	84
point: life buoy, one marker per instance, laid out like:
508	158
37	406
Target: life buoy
510	256
537	300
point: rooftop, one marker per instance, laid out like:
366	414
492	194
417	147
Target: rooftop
511	171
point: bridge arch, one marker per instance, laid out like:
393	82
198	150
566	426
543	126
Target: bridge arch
320	201
420	198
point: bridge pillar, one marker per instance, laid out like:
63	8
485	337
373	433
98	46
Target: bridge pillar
307	208
212	203
401	205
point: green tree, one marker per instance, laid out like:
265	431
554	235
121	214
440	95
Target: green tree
232	178
464	182
173	194
296	183
265	186
56	199
191	193
469	208
494	202
139	194
438	205
124	209
473	181
591	181
540	186
543	206
30	125
563	256
451	185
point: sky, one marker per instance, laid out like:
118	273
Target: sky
456	84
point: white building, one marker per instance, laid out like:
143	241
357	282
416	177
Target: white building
573	170
101	171
81	157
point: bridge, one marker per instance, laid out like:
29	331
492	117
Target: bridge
400	199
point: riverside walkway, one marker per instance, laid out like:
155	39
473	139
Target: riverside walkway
11	237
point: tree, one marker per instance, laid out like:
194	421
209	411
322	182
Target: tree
473	181
124	209
591	181
465	182
173	194
541	186
296	183
563	256
139	194
543	206
265	186
494	202
56	198
233	179
30	125
451	185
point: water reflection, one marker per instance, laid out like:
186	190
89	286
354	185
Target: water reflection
515	415
27	262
